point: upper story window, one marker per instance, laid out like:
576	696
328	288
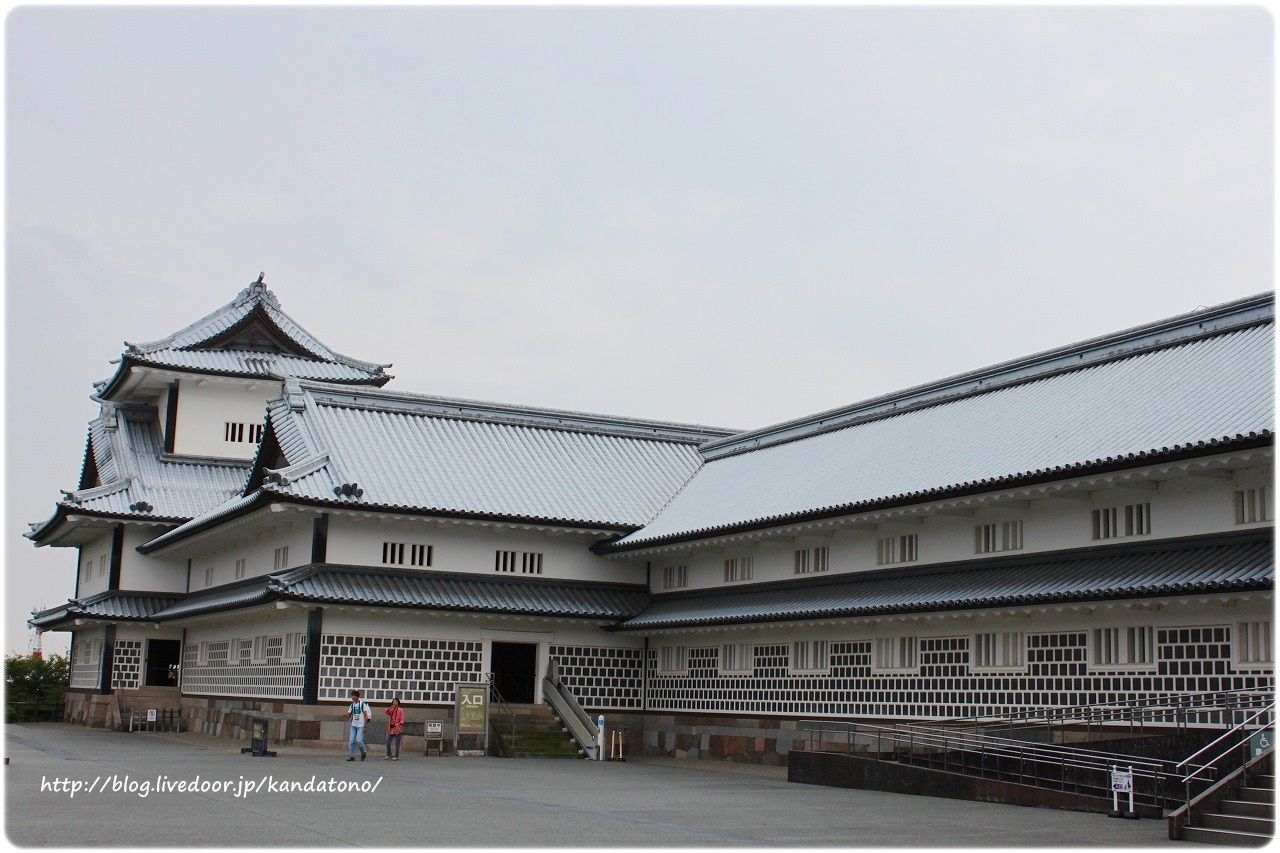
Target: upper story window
240	567
208	576
1115	522
897	549
281	558
524	562
737	659
675	577
102	566
237	432
812	560
1124	648
673	660
896	654
997	536
998	650
402	554
1253	643
809	656
737	569
1254	505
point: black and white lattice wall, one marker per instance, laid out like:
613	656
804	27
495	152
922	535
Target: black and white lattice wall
1057	672
221	674
126	665
416	670
600	676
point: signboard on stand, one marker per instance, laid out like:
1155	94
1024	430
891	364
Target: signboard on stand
434	737
471	710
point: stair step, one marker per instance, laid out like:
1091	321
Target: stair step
1239	823
1257	795
1209	835
1248	807
1263	780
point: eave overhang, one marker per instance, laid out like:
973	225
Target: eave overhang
118	379
265	496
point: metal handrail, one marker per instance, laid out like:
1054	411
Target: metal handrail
1078	770
1234	730
927	734
496	694
585	732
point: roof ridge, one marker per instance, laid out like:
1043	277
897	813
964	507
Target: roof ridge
1161	334
326	393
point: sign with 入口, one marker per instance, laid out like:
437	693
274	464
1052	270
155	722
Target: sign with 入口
473	705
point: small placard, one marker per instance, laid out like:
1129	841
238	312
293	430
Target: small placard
151	715
1122	781
435	728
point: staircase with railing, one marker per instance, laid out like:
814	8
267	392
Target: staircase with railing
526	730
565	705
1229	786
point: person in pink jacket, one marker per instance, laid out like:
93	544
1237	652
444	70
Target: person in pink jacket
395	728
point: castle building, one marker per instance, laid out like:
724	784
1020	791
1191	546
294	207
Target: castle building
260	525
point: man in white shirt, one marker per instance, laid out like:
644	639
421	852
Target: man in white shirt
358	713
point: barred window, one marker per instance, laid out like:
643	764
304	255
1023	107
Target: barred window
673	660
102	566
282	558
809	656
736	659
675	577
1124	647
897	549
241	433
809	560
998	650
402	553
240	566
997	536
526	562
896	654
1254	505
208	576
293	647
1253	642
1118	521
737	569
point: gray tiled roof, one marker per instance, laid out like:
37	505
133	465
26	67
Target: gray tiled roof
125	447
229	597
1084	407
186	349
115	605
458	457
458	592
1152	569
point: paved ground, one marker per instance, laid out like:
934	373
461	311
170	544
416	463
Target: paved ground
483	801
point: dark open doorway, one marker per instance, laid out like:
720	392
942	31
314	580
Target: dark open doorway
162	662
515	666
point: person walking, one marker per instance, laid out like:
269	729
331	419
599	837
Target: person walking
359	714
395	728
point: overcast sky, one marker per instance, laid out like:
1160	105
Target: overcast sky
725	216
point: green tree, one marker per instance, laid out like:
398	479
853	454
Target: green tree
33	685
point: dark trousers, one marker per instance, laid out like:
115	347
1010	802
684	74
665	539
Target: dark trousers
396	740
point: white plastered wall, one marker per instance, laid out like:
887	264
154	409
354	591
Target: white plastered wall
95	556
150	573
206	405
459	548
1182	507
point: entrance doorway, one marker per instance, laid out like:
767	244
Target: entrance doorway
515	667
162	662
